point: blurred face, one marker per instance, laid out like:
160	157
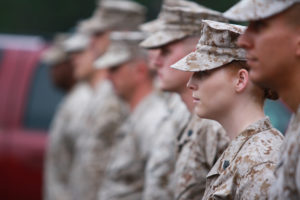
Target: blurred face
213	92
123	79
83	64
271	50
100	42
152	56
62	75
170	79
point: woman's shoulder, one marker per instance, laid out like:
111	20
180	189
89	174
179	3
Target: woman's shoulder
261	148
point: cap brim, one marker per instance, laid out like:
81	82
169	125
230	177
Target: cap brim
162	38
152	26
246	10
77	42
195	62
112	59
53	56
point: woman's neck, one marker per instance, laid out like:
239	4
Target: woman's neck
240	116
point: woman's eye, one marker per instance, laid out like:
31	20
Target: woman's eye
201	75
257	25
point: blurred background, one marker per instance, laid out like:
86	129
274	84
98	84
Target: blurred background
28	98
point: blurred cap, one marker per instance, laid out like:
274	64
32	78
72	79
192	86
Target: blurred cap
152	26
157	24
247	10
55	53
216	47
77	42
177	20
116	15
124	47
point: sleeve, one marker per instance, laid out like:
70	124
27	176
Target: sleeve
58	163
206	147
160	166
94	150
256	183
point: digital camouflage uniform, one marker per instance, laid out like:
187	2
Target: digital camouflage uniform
105	114
64	132
125	175
244	170
199	147
176	21
159	177
286	184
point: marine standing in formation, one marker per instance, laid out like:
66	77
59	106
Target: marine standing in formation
194	129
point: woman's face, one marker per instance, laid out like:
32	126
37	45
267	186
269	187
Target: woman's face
213	92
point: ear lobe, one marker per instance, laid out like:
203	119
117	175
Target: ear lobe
242	80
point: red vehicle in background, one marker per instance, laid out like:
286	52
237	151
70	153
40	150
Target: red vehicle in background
28	101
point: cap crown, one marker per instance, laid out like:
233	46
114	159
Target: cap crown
247	10
216	47
124	47
179	19
221	38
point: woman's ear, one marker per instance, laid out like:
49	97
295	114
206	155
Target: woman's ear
242	80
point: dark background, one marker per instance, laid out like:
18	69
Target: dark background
46	17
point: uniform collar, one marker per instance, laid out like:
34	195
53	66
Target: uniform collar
237	144
294	122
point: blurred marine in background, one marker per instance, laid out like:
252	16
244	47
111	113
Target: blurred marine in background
61	67
199	142
83	130
133	81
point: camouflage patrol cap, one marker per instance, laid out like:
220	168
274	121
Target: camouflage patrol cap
116	15
124	47
247	10
216	47
179	19
152	26
56	53
157	24
77	42
91	25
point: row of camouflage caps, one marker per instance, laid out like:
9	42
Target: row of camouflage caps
120	15
177	20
